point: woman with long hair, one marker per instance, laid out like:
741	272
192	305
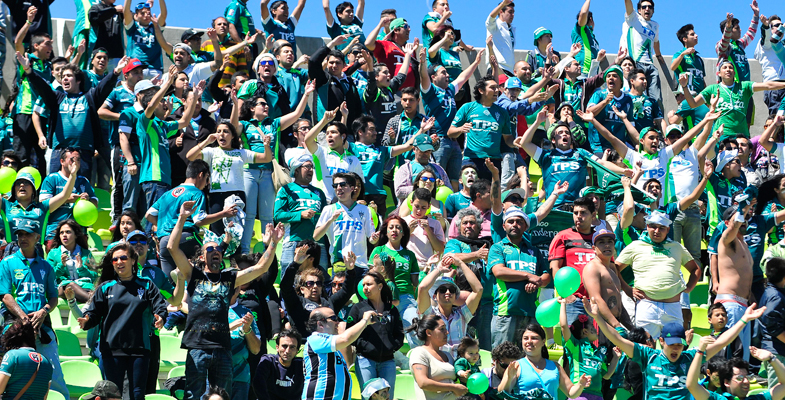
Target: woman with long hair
227	162
535	376
428	178
433	368
376	346
399	265
129	221
126	308
21	363
72	261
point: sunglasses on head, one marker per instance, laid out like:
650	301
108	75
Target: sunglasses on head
426	179
340	184
142	6
210	249
135	242
313	283
120	258
445	289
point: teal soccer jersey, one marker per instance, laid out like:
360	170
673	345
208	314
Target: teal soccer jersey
511	298
562	166
354	30
693	65
589	46
663	379
290	202
120	99
19	365
167	208
54	184
238	15
281	31
455	202
644	112
72	122
489	124
440	104
373	159
141	44
129	118
15	215
156	166
251	137
583	358
159	278
31	283
609	119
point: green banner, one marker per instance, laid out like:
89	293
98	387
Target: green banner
543	233
611	183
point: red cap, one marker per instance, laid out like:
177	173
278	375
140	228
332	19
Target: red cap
132	63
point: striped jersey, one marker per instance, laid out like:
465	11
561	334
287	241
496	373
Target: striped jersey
589	46
153	133
326	372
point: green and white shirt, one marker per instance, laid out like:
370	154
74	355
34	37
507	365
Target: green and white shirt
663	379
226	168
692	64
237	14
582	357
349	232
327	163
156	165
252	138
290	202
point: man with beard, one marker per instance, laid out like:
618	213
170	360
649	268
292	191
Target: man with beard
210	288
519	270
472	249
183	59
461	199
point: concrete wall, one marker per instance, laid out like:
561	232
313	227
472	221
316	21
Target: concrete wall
63	32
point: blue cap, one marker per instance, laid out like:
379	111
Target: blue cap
513	83
673	333
27	225
134	234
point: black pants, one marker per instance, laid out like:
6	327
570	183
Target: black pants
217	205
482	171
26	143
152	367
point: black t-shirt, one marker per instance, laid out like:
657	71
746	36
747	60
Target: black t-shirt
275	382
207	326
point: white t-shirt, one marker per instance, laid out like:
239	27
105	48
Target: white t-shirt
293	153
684	174
326	163
350	231
503	42
642	37
226	168
196	72
653	167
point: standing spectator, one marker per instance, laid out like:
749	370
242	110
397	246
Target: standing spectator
333	86
289	74
645	111
461	199
278	22
140	36
427	235
390	51
72	261
207	336
238	62
280	376
376	346
520	269
240	20
437	18
126	307
542	57
406	125
688	61
327	372
641	39
602	104
27	269
583	33
485	124
183	56
732	46
106	21
386	17
56	183
21	369
246	342
770	53
41	24
350	23
480	196
498	25
432	367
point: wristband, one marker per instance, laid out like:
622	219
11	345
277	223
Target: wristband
28	22
743	321
701	352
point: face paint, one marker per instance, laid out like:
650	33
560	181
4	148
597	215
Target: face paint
468	177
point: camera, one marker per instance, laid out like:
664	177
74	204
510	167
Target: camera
382	319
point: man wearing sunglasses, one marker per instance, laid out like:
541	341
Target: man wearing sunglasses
641	38
769	53
140	35
210	288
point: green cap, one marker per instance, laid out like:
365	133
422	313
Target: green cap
616	69
423	142
397	23
539	32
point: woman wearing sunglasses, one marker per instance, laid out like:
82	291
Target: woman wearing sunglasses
126	308
428	178
72	261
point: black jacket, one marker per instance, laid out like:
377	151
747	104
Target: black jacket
108	26
177	155
335	94
379	341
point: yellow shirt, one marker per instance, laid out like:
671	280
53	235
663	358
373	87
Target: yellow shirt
657	273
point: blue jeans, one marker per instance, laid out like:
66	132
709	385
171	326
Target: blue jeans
368	369
189	244
408	310
240	390
481	323
49	351
575	309
508	328
201	366
115	369
132	193
287	256
2	54
152	192
260	200
735	312
450	157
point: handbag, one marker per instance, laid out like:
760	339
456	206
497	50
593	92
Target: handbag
30	382
281	176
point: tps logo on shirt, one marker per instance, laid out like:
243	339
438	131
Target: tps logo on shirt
481	125
570	166
349	226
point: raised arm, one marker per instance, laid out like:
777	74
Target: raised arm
473	300
708	148
467	73
697	390
770	85
617	144
173	246
218	57
583	15
159	37
159	95
249	274
525	142
625	345
298	10
730	234
360	9
693	102
310	137
350	335
289	119
163	14
441	267
765	138
190	105
20	36
545	208
328	14
730	334
687	201
59	199
628	11
128	15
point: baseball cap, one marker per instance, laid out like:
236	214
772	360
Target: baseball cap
104	390
518	191
29	226
132	64
189	34
730	212
423	142
673	127
614	69
373	386
441	282
134	234
144	85
397	23
513	83
673	333
183	46
600	233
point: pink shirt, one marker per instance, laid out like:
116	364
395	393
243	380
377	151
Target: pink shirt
454	230
418	240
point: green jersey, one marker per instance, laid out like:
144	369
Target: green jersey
645	112
153	134
252	138
354	29
129	119
373	158
511	298
738	57
238	15
608	118
159	278
563	166
455	202
489	124
294	81
582	357
450	60
19	365
692	64
30	281
291	201
733	106
141	44
663	379
120	99
691	116
27	95
720	192
167	208
589	46
487	279
440	104
405	267
15	215
281	30
54	184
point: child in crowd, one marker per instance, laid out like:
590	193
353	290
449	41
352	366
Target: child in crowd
718	318
633	376
469	361
713	370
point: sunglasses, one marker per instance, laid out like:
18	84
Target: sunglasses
445	289
135	242
262	104
647	7
9	163
210	249
357	53
406	26
333	318
142	6
304	128
340	184
266	62
120	258
313	283
426	179
741	378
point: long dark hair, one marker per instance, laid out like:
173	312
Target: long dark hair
81	236
537	328
577	327
235	143
433	172
19	334
428	322
766	192
387	296
117	235
246	111
106	267
383	239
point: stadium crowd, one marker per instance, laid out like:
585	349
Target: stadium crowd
368	217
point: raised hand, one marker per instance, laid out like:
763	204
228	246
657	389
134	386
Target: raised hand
23	61
187	208
754	7
761	354
591	307
300	254
708	168
575	48
492	168
268	42
752	313
705	342
586	116
329	115
561	188
31	12
601	55
409	49
619	113
423	56
349	260
585	380
213	108
427	125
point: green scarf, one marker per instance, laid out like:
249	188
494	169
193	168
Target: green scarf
657	246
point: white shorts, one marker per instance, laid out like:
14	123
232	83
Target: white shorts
545	294
684	300
653	315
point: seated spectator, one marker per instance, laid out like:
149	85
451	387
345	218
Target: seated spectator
21	364
72	261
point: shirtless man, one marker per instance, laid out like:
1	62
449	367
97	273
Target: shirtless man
602	281
734	264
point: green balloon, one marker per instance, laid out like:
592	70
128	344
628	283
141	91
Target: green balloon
36	175
547	313
567	281
374	218
477	383
7	178
360	292
85	213
442	193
